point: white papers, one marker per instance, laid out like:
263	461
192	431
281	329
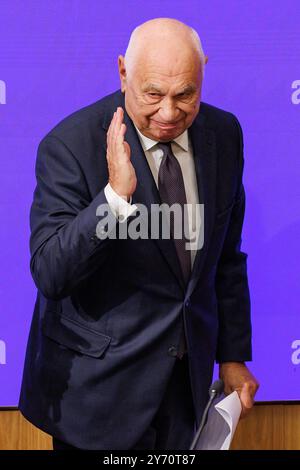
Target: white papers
221	424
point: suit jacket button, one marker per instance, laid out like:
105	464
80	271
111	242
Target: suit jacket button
172	351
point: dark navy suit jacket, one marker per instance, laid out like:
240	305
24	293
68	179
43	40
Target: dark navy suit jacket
107	318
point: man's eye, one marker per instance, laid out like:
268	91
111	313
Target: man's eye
155	95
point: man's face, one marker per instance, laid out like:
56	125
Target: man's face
162	98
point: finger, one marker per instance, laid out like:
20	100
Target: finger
118	122
247	399
112	134
122	132
114	125
118	125
112	122
110	130
121	148
127	147
115	135
123	129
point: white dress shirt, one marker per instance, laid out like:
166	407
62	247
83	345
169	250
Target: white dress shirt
182	149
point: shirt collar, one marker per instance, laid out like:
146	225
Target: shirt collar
182	140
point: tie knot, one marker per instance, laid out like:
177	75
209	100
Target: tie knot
165	146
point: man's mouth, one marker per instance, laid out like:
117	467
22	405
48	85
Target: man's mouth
166	125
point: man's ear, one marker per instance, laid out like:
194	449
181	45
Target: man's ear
122	72
205	59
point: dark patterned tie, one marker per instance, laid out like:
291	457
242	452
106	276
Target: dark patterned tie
171	189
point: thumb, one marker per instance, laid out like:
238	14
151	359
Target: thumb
127	149
245	396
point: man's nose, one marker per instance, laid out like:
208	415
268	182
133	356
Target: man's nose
168	111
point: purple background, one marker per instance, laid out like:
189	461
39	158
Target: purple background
58	56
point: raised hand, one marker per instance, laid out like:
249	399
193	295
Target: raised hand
122	177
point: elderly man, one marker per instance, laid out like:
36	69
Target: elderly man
126	329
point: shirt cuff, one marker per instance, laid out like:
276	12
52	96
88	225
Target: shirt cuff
119	207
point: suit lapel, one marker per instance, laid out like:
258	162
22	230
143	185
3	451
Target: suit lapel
204	149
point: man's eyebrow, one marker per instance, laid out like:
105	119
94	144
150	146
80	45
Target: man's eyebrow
152	87
188	89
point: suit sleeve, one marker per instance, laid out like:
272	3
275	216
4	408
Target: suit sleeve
234	338
68	241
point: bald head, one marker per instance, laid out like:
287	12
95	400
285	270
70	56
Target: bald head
162	36
161	76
